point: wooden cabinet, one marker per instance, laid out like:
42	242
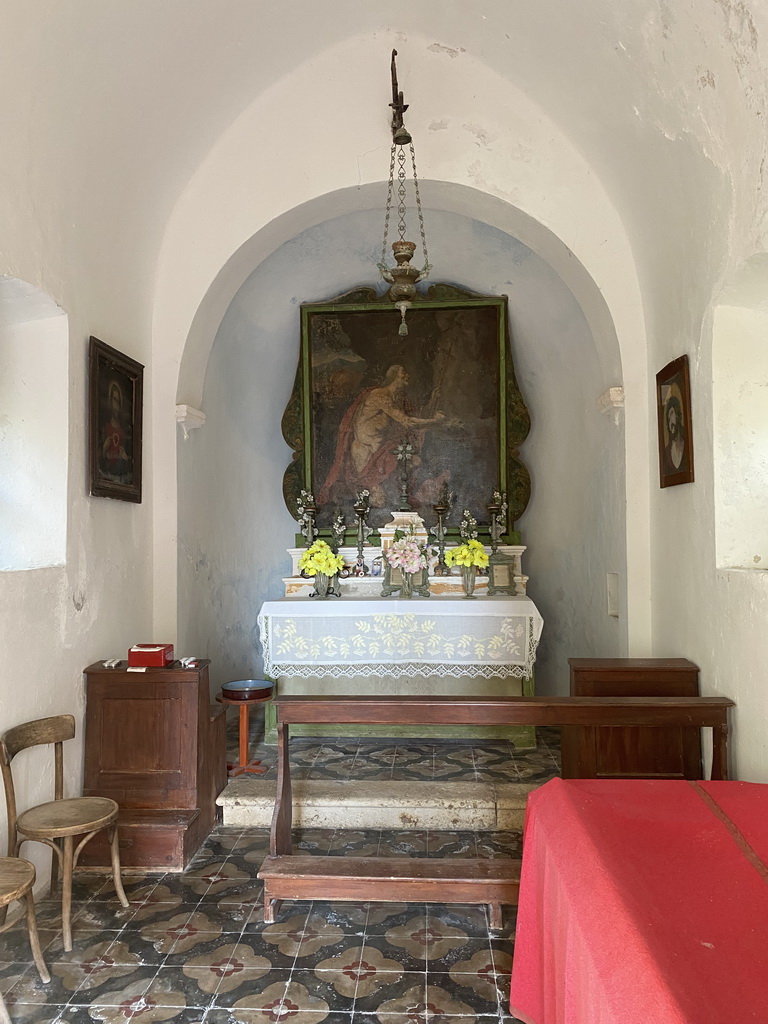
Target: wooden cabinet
154	743
632	752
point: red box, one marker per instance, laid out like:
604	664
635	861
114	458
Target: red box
150	656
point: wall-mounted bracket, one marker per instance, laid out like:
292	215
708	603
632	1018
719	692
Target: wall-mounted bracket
611	400
189	418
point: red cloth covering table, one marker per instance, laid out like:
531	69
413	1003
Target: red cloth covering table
643	901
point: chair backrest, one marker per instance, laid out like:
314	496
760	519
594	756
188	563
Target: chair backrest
32	734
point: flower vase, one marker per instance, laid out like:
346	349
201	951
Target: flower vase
468	576
322	585
406	588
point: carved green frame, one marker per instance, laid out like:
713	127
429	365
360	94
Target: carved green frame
514	419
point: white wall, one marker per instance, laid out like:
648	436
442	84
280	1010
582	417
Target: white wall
233	524
34	448
740	374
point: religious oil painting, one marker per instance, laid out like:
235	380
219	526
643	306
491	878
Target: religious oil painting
673	402
115	422
364	391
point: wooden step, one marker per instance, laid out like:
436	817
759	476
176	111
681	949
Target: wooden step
150	839
494	881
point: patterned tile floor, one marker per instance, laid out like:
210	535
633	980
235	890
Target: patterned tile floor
406	760
194	947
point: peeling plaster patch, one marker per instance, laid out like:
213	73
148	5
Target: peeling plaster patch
741	27
439	48
655	24
706	78
476	174
437	126
483	137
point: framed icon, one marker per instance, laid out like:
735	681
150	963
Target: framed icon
673	405
115	423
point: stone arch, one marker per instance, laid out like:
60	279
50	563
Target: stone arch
740	417
34	377
224	224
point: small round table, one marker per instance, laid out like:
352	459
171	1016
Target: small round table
258	695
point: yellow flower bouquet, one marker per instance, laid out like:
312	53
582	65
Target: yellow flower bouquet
320	558
470	553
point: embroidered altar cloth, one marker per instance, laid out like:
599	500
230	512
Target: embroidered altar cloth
491	637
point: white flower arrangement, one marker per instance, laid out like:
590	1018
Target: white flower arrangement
468	525
338	529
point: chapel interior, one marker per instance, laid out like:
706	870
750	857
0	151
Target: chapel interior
178	178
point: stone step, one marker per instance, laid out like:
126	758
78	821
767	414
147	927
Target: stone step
321	803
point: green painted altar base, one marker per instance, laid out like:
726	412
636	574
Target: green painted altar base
523	736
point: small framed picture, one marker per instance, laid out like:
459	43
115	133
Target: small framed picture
501	575
115	421
394	579
673	405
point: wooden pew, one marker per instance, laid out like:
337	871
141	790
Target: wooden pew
459	880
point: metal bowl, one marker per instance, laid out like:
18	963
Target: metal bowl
247	689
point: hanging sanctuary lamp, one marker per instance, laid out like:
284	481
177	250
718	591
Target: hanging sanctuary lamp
402	277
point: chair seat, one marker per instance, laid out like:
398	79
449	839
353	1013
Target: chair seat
16	877
67	817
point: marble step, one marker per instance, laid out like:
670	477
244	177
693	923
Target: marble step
322	803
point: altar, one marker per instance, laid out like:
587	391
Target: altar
443	645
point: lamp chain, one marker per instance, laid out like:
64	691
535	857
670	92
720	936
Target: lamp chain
398	151
427	264
401	194
389	205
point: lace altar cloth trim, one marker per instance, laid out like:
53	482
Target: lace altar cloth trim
377	637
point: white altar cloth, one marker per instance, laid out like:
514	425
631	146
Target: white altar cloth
490	637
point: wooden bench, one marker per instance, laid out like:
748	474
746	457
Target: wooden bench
444	880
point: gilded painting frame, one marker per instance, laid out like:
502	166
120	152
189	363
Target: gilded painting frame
115	401
448	388
673	407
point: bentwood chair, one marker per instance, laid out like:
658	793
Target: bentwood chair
58	823
17	877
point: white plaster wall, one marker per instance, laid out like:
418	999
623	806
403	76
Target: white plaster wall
33	443
740	399
233	525
715	616
56	621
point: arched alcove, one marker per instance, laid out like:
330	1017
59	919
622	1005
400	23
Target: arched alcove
233	527
529	180
34	377
740	417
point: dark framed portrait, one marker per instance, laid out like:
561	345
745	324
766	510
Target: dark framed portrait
115	393
673	405
447	388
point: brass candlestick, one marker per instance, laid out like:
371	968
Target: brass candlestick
361	509
441	508
404	453
497	510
